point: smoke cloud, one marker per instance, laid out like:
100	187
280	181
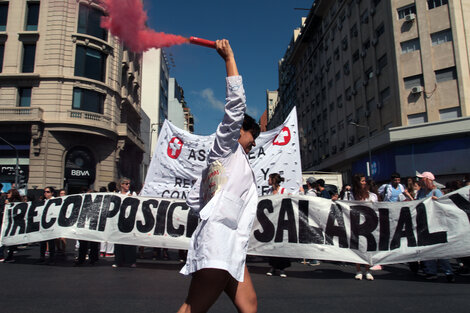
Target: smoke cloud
127	20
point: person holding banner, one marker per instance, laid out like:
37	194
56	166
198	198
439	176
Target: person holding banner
360	192
48	244
277	263
226	198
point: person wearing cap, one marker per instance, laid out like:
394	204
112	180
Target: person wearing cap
428	189
311	181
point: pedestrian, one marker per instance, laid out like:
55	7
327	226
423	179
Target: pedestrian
13	195
91	248
125	254
311	187
226	198
360	192
345	193
429	189
47	245
277	263
107	248
393	191
321	191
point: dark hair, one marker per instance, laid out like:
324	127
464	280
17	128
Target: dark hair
321	182
395	175
276	179
52	189
15	195
249	124
103	189
358	191
112	186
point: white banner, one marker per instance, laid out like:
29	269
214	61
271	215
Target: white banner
287	226
180	158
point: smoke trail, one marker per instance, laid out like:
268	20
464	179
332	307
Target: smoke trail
126	19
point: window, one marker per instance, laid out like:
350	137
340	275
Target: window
448	114
87	100
24	95
332	106
365	17
419	118
446	74
90	63
89	20
339	101
346	68
413	81
382	62
2	53
355	56
354	31
436	3
384	94
410	46
441	37
32	16
3	16
29	55
404	11
379	30
337	75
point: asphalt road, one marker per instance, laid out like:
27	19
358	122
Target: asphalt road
156	286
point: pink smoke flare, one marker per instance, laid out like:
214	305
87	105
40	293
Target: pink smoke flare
126	19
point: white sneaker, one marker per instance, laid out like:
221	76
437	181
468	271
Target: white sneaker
369	276
358	276
283	275
376	268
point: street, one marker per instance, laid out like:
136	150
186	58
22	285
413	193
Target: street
156	286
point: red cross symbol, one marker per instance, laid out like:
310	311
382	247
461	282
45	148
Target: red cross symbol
174	147
283	137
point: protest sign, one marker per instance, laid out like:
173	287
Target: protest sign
295	226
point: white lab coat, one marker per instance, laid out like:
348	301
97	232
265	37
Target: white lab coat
225	196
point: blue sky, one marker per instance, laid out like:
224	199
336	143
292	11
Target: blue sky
259	32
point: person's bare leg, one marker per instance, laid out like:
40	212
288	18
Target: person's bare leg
206	286
243	294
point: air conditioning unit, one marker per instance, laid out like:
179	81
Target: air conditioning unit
410	17
417	89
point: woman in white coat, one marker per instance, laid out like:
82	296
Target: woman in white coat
226	198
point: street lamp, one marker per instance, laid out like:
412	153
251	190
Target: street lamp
17	161
369	165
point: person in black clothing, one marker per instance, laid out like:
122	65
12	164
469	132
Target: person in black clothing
322	192
43	245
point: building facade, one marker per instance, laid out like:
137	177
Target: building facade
178	113
389	79
69	96
155	77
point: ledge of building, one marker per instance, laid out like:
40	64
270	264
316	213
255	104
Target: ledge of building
424	131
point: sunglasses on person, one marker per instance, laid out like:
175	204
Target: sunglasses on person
47	191
125	183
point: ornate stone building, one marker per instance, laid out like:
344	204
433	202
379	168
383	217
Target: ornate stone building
69	97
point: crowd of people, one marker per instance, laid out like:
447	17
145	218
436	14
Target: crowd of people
361	189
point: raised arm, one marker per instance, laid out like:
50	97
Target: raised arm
225	51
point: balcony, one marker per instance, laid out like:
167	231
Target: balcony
20	114
124	130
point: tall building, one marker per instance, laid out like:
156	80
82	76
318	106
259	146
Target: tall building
382	81
155	77
69	97
178	113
